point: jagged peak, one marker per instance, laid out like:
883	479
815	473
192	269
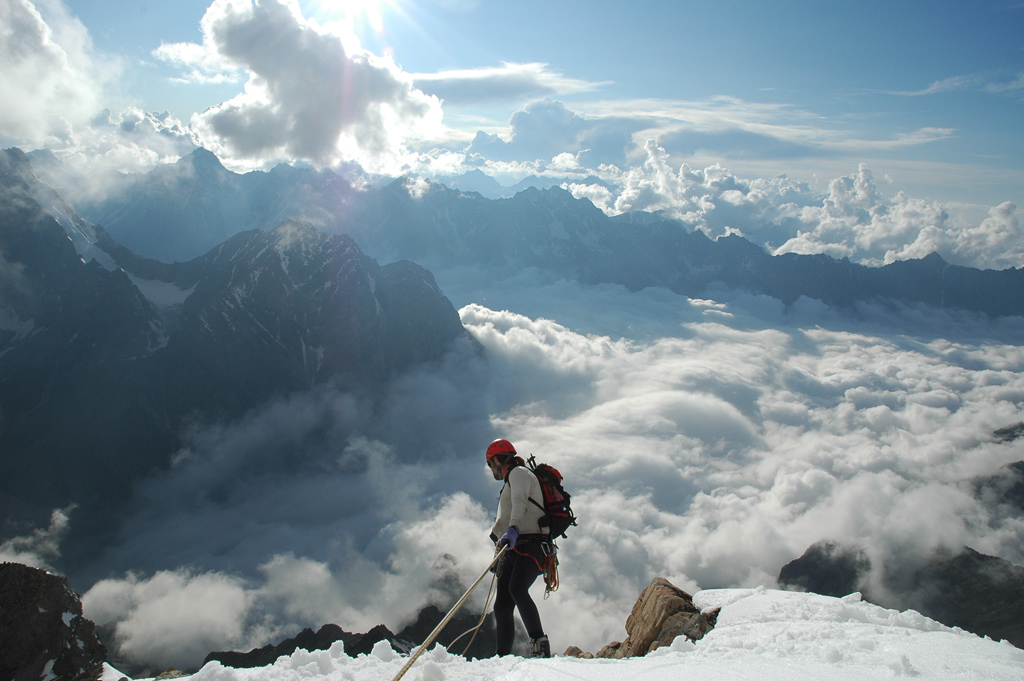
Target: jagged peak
934	258
14	159
203	162
203	155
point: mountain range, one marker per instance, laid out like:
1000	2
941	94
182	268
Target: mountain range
181	210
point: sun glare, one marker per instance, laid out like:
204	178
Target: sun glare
356	13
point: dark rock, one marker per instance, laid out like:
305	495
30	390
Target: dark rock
43	630
482	645
306	640
1009	433
979	593
1004	489
360	644
827	569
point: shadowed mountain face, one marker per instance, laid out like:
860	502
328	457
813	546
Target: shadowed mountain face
103	366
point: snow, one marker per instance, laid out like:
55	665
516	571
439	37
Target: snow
162	294
761	634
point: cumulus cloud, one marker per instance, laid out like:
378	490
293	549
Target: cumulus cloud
309	93
708	442
996	243
546	129
510	81
41	547
96	156
172	617
53	85
50	77
852	219
596	157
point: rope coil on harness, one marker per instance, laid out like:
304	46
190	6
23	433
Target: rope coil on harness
550	568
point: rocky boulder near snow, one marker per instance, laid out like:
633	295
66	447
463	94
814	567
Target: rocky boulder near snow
43	634
662	613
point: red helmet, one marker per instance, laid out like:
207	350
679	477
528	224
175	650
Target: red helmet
499	447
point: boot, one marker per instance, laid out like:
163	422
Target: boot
540	647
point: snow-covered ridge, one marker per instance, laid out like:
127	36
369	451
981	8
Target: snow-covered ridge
761	634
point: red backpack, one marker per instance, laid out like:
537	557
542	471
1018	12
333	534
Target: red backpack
558	515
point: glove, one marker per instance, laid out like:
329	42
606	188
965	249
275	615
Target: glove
509	538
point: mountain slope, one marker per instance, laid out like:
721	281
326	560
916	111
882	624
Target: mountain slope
101	367
71	331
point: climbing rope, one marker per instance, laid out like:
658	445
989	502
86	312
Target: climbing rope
550	569
483	616
448	617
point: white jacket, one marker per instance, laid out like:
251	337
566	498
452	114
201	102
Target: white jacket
514	505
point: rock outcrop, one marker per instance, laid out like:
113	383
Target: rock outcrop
322	639
356	644
662	613
43	634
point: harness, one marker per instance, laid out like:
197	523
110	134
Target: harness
540	548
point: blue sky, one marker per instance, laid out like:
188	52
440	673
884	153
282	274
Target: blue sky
927	95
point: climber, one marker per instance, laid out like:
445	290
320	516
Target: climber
517	526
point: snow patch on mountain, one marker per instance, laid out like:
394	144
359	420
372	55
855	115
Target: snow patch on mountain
80	233
162	294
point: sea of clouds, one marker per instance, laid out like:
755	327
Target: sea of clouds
706	442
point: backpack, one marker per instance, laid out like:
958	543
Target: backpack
558	516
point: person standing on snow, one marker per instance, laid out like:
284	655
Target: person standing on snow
517	526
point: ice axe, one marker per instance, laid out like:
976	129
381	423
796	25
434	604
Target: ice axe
451	613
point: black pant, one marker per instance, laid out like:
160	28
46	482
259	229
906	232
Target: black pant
515	577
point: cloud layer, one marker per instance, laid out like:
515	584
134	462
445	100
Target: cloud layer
50	80
510	81
711	444
309	94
